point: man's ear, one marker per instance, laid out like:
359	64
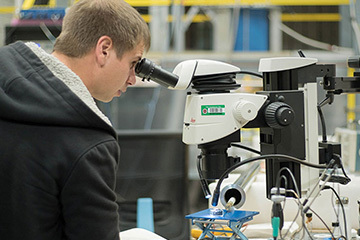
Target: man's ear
102	50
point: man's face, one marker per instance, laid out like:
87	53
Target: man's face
118	74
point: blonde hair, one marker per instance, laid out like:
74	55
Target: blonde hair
87	20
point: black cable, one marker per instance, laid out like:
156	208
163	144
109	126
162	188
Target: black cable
249	160
251	73
337	158
341	166
341	204
246	148
323	126
343	170
203	182
328	100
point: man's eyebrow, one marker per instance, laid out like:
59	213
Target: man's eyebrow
136	59
137	56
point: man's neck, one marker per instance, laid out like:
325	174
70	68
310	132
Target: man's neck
83	67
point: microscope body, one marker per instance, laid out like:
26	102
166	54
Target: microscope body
285	112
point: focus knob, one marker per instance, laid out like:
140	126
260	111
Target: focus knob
244	111
279	115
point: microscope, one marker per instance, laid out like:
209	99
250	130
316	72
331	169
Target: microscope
286	112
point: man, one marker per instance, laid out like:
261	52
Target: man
58	152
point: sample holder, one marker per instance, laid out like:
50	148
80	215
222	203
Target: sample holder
207	219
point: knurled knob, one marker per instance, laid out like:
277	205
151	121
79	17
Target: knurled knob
279	115
244	111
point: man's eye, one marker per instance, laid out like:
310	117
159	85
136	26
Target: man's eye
133	64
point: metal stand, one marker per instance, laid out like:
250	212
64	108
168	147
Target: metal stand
207	219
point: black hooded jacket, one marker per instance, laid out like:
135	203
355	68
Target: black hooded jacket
58	158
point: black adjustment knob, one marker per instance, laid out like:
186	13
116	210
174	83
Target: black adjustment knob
279	115
354	62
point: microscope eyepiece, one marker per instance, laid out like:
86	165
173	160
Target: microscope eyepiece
148	70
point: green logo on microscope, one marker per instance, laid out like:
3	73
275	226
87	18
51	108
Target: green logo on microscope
212	110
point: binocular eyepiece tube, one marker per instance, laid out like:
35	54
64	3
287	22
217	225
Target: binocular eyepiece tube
148	70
